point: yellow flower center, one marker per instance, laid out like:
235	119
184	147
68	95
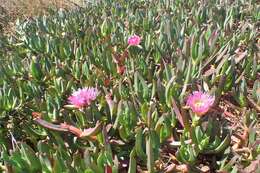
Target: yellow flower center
199	103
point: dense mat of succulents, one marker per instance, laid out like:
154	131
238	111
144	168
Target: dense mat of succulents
133	86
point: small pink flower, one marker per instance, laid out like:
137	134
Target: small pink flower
83	97
134	40
200	102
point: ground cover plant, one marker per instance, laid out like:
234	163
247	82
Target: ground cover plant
133	86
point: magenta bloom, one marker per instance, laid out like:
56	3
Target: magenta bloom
200	102
83	97
134	40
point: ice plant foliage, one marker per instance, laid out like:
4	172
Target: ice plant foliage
124	56
200	102
83	97
134	40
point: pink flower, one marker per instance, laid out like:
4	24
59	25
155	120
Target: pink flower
134	40
200	102
83	97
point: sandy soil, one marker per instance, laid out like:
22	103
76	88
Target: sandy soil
10	10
